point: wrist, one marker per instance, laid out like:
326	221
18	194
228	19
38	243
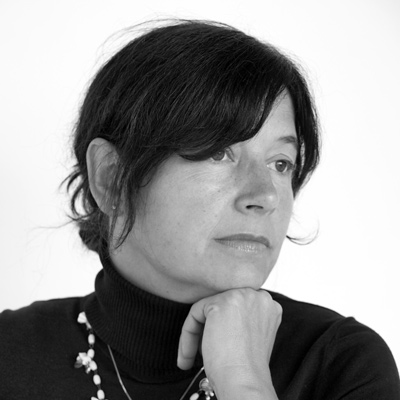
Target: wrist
237	384
240	392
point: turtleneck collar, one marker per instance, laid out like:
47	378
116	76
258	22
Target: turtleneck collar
141	328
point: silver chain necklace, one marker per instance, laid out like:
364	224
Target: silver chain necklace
87	360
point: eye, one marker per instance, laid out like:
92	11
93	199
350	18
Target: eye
282	166
222	155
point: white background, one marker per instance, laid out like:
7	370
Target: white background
351	51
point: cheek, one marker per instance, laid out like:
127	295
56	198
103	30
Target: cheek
182	213
285	213
288	201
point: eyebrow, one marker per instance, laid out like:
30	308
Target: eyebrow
290	139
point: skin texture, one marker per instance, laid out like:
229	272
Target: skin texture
177	249
172	250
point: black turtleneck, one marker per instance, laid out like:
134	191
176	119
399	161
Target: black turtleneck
318	354
141	328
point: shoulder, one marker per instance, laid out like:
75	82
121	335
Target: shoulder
39	344
322	323
306	322
338	352
39	330
303	310
40	316
42	308
312	324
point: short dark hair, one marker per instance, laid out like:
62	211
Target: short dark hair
190	88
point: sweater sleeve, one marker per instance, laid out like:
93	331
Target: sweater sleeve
357	365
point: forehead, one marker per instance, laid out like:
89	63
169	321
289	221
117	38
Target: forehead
282	110
280	126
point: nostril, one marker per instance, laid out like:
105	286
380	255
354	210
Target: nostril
256	209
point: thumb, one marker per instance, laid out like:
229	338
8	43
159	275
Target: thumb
192	332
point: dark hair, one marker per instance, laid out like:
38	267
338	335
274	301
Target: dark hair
191	88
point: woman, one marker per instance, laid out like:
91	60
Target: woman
191	145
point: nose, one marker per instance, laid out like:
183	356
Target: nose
257	193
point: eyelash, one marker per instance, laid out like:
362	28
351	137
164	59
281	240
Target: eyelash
226	151
290	167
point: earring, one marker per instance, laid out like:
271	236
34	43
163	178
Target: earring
114	207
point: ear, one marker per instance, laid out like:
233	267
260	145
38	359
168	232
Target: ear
101	161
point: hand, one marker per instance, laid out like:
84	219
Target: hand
237	330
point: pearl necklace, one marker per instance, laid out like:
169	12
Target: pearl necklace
87	360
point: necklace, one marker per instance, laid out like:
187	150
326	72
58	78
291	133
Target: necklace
87	360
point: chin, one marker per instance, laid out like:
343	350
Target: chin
248	280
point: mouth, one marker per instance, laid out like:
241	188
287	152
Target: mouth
245	243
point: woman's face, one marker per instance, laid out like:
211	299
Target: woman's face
209	226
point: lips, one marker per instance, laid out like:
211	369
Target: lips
245	242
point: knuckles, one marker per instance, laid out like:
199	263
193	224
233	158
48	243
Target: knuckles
246	299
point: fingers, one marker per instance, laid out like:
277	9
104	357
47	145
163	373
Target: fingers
231	316
192	331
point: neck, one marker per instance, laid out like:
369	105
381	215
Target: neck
143	329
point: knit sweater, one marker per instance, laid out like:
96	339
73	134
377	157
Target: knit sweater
318	354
